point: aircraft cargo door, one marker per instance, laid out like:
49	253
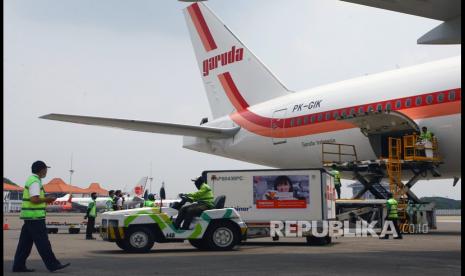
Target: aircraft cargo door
277	127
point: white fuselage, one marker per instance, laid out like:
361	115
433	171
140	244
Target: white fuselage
296	144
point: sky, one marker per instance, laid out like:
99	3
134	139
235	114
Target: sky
134	60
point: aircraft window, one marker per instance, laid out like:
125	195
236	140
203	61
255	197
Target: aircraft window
299	121
292	122
451	95
305	120
361	110
328	116
379	107
408	102
398	104
441	97
312	119
418	101
370	108
335	115
320	117
429	99
388	106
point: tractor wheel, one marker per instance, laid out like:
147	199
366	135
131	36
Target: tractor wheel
199	244
311	240
139	240
122	244
222	236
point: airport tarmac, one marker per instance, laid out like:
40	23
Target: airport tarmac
438	252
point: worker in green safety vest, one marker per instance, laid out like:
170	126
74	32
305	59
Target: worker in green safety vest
337	180
34	230
426	140
426	135
150	202
91	214
202	200
110	202
392	215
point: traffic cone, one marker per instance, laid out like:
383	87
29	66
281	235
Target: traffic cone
6	226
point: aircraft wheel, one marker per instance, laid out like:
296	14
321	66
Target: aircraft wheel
139	240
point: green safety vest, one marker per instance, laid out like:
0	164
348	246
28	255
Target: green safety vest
392	205
31	210
428	135
203	195
109	204
337	177
93	209
149	203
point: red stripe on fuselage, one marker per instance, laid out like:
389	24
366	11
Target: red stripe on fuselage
416	107
201	27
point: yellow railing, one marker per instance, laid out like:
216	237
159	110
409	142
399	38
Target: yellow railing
394	168
414	150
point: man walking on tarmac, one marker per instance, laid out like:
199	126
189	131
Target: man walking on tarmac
391	205
90	216
337	180
34	229
203	200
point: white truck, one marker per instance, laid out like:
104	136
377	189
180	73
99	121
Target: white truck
262	196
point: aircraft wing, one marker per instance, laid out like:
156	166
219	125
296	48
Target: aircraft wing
448	11
143	126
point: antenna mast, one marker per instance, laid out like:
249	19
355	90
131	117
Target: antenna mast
71	171
150	178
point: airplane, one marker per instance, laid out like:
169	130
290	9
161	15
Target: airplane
68	203
258	120
448	11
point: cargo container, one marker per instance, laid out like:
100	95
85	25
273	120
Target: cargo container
286	195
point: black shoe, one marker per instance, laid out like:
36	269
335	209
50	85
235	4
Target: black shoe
90	238
23	270
60	266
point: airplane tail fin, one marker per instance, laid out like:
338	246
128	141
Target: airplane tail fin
138	189
233	76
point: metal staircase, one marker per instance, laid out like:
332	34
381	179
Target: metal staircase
394	170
